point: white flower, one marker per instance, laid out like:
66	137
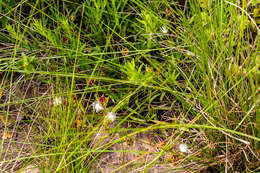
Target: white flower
183	148
164	30
111	116
97	106
57	101
150	35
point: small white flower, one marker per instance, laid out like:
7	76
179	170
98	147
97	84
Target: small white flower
111	116
183	148
57	101
150	35
164	30
97	106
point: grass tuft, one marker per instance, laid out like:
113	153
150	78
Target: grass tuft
130	86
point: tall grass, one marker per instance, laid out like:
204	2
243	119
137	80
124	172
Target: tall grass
181	72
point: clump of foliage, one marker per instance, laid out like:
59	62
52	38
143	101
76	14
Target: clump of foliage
90	75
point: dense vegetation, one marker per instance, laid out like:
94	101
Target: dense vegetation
85	84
